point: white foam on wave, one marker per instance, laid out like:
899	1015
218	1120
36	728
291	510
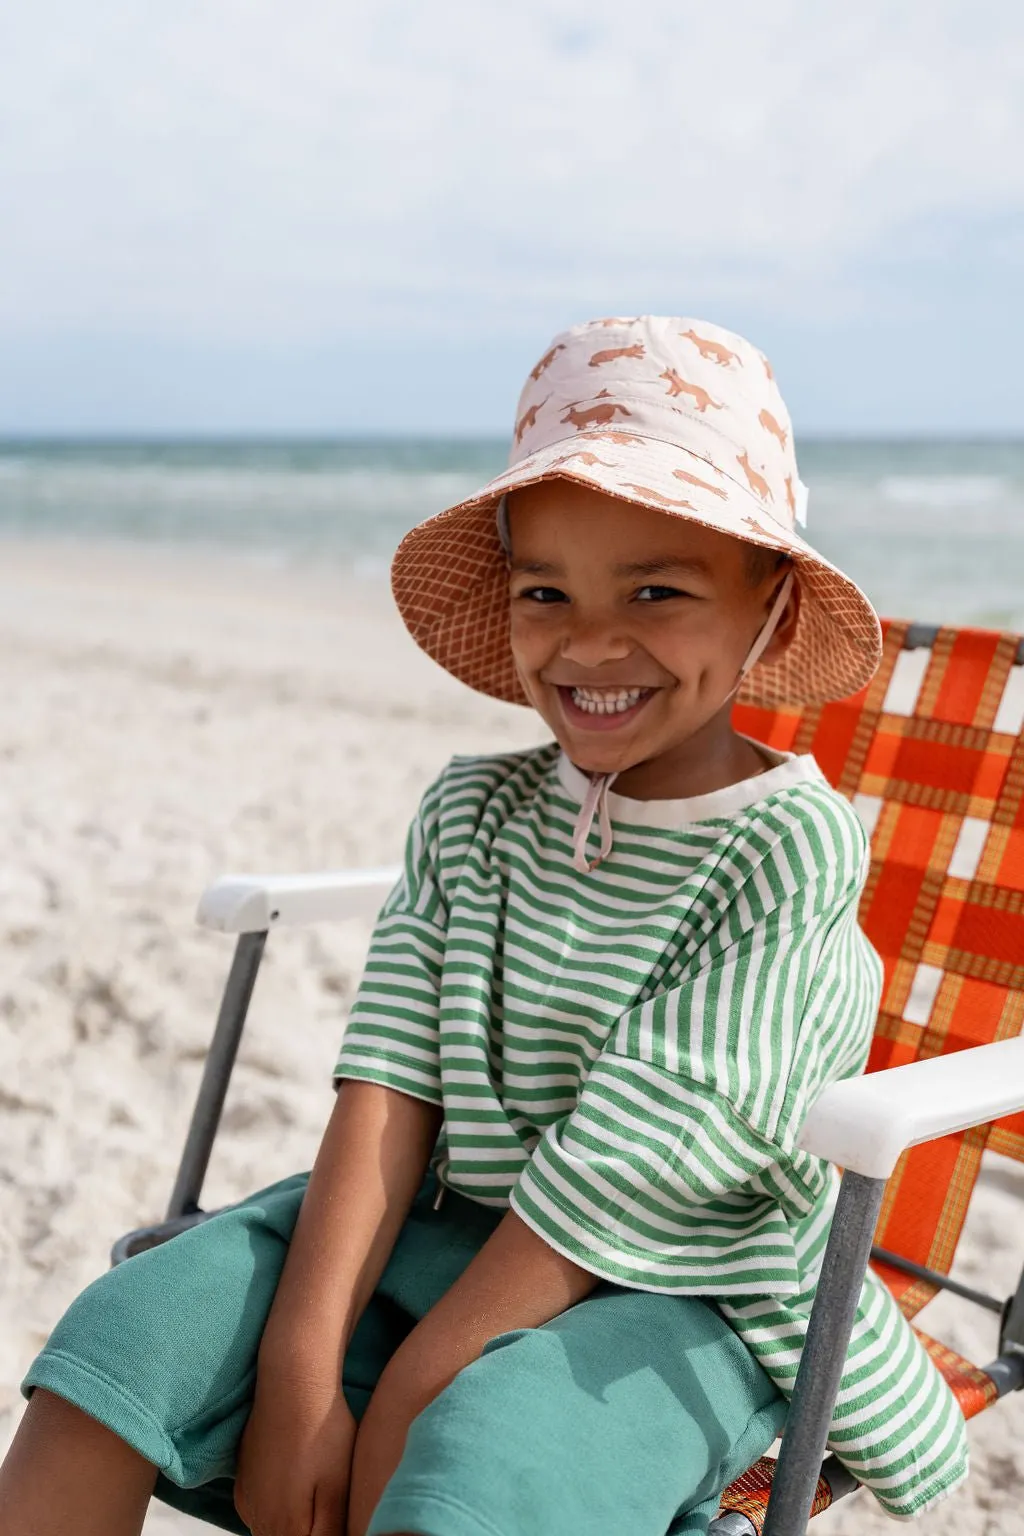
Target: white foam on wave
231	486
942	490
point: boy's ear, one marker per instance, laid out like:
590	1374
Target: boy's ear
786	627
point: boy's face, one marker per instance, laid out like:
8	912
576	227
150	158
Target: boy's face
628	626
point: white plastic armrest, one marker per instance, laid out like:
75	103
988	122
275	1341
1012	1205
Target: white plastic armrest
864	1123
250	903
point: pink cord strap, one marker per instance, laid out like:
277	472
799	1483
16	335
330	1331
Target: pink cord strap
595	800
771	624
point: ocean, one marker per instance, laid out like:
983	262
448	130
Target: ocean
932	530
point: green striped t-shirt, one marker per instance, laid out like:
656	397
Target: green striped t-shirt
626	1056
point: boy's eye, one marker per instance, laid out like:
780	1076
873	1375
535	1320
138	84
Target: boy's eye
544	595
654	594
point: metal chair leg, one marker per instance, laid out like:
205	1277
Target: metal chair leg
1011	1334
824	1355
142	1238
184	1211
220	1060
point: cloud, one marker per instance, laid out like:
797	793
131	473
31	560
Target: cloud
240	171
233	215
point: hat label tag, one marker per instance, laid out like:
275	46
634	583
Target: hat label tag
801	499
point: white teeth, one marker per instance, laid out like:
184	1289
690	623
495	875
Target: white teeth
606	701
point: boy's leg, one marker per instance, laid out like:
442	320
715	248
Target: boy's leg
153	1365
629	1412
66	1472
161	1353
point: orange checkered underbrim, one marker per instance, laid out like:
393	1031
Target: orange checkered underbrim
450	581
670	414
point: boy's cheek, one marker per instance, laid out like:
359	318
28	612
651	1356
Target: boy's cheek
525	671
539	697
530	651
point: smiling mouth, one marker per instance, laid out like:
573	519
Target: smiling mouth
602	708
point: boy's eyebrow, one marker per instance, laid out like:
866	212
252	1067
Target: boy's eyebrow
660	565
536	567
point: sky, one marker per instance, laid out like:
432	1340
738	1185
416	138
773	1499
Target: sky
234	216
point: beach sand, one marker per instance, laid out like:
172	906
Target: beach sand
165	718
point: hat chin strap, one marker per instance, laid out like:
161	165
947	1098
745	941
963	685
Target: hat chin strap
594	801
768	629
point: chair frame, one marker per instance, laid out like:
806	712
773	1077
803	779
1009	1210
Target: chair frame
860	1124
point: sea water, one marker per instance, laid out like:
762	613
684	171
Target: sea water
932	530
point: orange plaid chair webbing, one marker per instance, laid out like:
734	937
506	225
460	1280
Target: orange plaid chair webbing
974	1391
932	755
748	1495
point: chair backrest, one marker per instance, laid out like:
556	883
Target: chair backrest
932	755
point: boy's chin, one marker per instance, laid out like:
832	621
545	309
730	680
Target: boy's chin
597	756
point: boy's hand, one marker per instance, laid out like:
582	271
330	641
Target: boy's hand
295	1458
295	1455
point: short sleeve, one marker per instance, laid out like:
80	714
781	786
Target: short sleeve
392	1032
678	1168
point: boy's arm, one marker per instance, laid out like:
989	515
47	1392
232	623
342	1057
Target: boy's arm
296	1450
371	1162
516	1281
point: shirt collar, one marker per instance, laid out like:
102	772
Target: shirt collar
721	804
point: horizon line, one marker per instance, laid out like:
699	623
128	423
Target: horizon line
252	436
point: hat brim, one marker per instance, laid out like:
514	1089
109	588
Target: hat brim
450	574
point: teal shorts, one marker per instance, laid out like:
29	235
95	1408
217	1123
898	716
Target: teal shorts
627	1414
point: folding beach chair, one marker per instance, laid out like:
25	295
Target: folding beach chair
932	756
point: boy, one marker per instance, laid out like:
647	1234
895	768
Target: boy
598	1015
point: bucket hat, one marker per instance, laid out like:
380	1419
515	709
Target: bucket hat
664	412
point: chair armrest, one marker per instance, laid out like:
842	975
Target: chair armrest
865	1123
253	903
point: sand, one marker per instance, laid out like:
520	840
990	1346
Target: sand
167	717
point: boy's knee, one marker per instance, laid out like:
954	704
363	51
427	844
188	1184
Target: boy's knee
529	1349
499	1402
517	1371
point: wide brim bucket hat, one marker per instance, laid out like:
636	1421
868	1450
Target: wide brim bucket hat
669	413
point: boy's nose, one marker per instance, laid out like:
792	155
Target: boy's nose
590	643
